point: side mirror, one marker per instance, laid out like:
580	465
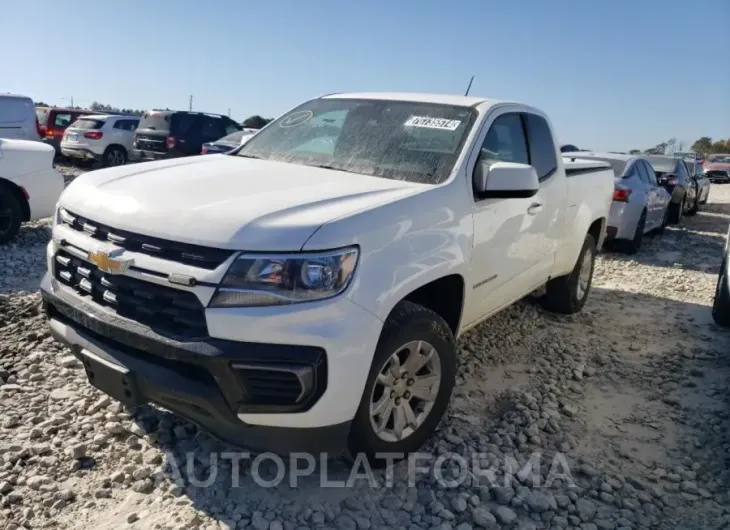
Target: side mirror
504	180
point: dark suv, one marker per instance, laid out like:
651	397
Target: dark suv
174	133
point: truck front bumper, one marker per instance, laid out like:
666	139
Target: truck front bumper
197	379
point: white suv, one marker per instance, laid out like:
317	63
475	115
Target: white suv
104	138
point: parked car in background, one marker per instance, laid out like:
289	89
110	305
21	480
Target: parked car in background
18	118
721	303
702	182
29	184
53	122
717	168
287	297
568	148
104	138
174	133
228	143
672	173
640	204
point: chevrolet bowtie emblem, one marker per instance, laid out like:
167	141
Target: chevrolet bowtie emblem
108	264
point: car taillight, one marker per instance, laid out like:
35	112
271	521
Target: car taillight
621	194
170	142
49	132
204	150
93	135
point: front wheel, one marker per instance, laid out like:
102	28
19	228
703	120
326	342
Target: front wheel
692	210
408	388
721	304
568	294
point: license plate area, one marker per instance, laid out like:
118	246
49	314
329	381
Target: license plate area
116	381
72	138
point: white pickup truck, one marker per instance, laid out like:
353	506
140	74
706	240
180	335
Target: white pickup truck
29	184
305	291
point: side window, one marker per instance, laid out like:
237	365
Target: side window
182	124
542	146
231	127
682	172
62	119
211	129
505	141
650	172
126	125
641	169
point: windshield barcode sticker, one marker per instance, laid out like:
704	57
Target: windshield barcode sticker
432	123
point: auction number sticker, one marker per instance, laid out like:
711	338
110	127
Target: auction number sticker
296	118
432	123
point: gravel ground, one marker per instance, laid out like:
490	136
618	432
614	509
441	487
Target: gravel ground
630	397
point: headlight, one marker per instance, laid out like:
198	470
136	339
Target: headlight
278	279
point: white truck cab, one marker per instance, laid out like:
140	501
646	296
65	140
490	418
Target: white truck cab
305	291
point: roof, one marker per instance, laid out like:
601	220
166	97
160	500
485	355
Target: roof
15	96
419	97
109	116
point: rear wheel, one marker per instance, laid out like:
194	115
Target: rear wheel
409	385
721	304
568	294
11	214
114	156
633	246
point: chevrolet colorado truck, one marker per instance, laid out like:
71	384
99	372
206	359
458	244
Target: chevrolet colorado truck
304	292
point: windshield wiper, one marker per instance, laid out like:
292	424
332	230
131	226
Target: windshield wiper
255	157
325	166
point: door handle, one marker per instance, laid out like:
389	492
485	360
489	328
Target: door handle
534	208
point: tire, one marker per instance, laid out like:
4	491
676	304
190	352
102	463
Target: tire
114	156
676	211
407	324
721	304
695	207
665	221
633	246
568	294
11	215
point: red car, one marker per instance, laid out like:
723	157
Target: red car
52	122
717	167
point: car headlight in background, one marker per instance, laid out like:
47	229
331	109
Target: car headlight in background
256	280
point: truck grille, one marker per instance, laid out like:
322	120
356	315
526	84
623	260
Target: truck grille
197	256
165	310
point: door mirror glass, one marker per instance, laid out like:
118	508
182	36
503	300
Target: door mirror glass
504	180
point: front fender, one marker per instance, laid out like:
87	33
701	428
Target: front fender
404	245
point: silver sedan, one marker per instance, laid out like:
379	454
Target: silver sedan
640	203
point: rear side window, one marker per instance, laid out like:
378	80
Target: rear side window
86	123
15	110
182	123
505	141
643	173
650	172
126	125
42	115
156	121
231	127
542	146
62	119
212	129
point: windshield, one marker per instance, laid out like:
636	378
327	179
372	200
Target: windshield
401	140
42	115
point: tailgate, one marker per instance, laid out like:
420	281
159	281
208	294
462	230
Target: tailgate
150	140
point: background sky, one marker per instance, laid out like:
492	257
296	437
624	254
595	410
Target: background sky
611	74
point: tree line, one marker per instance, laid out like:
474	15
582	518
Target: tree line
703	146
253	122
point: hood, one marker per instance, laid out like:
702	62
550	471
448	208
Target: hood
24	156
227	201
